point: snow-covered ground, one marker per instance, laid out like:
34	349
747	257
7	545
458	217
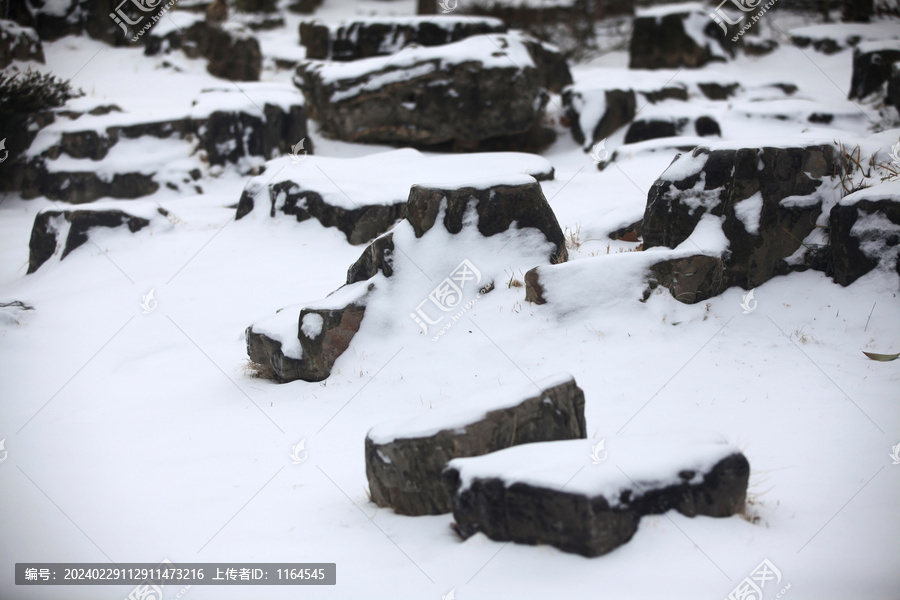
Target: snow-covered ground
135	435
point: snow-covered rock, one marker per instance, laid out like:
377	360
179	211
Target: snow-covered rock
378	36
865	232
671	36
483	91
365	196
588	498
496	223
872	63
19	43
405	458
59	232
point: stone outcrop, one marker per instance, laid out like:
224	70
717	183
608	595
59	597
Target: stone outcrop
872	64
380	36
484	91
587	501
672	37
404	460
865	232
19	43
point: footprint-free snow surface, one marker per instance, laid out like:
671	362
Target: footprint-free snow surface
132	432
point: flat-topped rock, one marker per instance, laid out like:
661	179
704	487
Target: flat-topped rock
872	63
379	36
405	458
19	43
865	232
672	36
59	232
583	499
498	223
484	91
364	196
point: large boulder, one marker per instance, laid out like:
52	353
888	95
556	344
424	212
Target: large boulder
63	231
872	64
379	36
576	497
482	90
865	232
405	459
767	198
363	197
676	36
231	50
19	43
507	223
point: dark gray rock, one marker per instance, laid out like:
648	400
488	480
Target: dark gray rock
865	232
872	63
404	462
19	43
387	35
893	95
497	207
480	90
378	256
689	279
573	517
47	228
759	250
80	187
324	334
661	39
232	53
718	91
653	128
381	189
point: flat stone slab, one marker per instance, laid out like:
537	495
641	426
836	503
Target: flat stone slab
364	196
588	499
405	458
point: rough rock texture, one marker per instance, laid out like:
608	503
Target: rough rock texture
49	224
689	279
497	208
506	509
231	51
360	223
872	63
652	128
321	346
461	95
617	108
404	473
378	189
664	40
54	20
865	232
241	135
386	35
763	233
19	43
